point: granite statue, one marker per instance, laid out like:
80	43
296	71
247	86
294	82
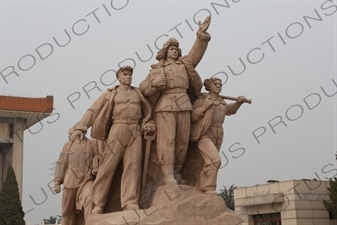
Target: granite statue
149	139
170	87
207	118
74	171
118	117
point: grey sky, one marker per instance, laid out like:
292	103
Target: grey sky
298	60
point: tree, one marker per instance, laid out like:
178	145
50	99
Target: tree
10	205
228	196
331	205
52	220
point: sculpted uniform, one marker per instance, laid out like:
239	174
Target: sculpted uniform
116	117
74	171
208	133
173	105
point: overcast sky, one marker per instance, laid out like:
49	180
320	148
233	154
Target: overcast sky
280	54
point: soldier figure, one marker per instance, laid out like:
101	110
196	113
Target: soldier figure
74	171
171	85
116	117
208	115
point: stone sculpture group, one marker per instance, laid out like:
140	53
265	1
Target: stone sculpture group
146	141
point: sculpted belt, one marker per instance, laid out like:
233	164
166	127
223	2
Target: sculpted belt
174	90
125	121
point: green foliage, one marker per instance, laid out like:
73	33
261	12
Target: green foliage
331	205
52	220
10	205
228	196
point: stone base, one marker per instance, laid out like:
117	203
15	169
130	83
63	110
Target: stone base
173	205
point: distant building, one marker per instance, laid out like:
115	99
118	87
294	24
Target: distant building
16	115
293	202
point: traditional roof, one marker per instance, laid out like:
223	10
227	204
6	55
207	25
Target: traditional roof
26	104
31	109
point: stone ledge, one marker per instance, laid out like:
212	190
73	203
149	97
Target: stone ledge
177	205
261	199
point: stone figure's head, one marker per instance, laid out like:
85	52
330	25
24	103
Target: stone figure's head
124	75
213	84
170	49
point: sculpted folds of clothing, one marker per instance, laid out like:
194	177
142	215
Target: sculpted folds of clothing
70	208
127	106
172	137
212	161
176	100
74	163
176	75
61	166
179	75
69	211
200	122
98	116
77	165
210	123
122	113
207	132
74	171
198	49
172	106
123	144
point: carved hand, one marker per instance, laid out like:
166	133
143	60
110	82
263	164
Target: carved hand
159	82
204	26
149	128
77	133
207	104
57	188
241	99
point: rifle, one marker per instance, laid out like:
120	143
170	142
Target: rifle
235	99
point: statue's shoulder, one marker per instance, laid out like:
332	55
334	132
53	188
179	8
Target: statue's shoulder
158	64
203	96
112	89
223	101
137	90
200	100
66	145
106	95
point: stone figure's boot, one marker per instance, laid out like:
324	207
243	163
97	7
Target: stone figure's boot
168	172
177	175
208	176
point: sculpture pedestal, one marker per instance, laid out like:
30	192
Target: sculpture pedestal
174	205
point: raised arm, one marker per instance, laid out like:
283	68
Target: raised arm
200	45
